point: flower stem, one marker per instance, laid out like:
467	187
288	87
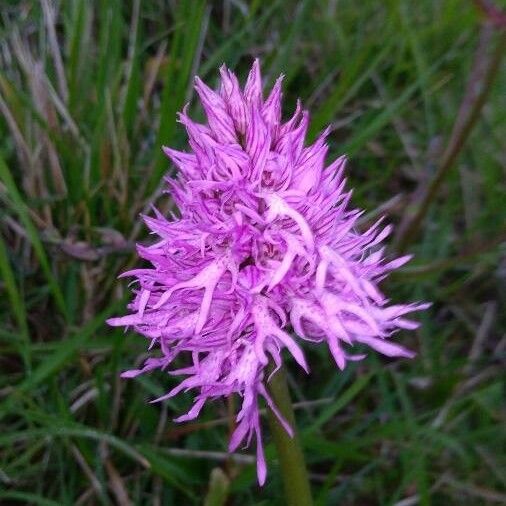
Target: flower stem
291	458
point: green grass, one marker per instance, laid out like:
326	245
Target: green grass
88	93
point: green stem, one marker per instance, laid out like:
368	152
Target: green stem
291	458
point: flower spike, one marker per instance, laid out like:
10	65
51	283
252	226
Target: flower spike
264	255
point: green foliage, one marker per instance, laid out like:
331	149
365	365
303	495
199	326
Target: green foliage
89	90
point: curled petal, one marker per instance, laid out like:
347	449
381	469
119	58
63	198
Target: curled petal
278	207
266	327
387	348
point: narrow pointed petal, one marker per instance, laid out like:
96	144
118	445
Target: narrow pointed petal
253	88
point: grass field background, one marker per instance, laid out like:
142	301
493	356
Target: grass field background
89	91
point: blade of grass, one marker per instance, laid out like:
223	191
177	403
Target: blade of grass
373	126
27	498
338	404
132	87
20	208
17	304
147	457
414	454
189	19
75	431
282	62
485	69
234	45
417	49
78	41
354	77
60	357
